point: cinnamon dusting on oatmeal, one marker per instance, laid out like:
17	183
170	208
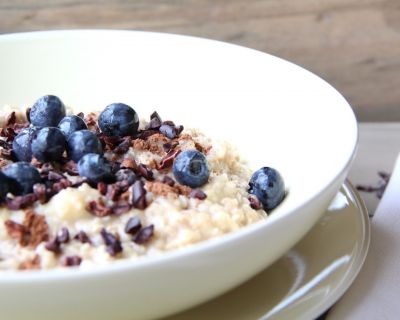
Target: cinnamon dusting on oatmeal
32	232
159	188
154	144
16	231
36	227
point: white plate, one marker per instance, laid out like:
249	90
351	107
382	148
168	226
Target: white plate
309	278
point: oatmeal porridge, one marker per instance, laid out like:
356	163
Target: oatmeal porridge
85	190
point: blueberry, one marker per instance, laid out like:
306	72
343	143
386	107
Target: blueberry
118	119
190	168
4	186
268	186
48	144
22	144
22	176
47	112
70	124
83	142
95	167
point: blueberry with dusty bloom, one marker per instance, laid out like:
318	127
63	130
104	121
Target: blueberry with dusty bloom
118	119
268	186
22	177
191	169
70	124
83	142
95	168
47	111
22	144
48	144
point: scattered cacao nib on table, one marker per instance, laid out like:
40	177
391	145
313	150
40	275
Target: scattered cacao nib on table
379	188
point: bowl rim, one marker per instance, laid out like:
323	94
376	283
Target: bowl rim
126	265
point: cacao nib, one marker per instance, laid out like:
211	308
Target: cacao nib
155	121
378	189
102	187
53	245
71	168
60	185
144	235
133	225
11	118
72	261
198	194
138	195
169	131
113	245
63	237
145	172
168	180
254	203
168	160
155	115
21	202
98	208
28	114
120	207
179	129
123	147
83	237
144	134
109	142
170	146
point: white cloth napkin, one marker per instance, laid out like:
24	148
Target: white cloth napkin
375	294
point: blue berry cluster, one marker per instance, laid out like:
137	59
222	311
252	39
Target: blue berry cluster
54	136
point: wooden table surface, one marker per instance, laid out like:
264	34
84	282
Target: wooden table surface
353	44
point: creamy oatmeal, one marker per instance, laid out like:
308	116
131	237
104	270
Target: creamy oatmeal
68	220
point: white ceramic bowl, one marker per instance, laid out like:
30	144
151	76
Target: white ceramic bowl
275	112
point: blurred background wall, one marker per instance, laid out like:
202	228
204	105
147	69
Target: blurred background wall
353	44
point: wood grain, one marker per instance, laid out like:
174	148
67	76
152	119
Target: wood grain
353	44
